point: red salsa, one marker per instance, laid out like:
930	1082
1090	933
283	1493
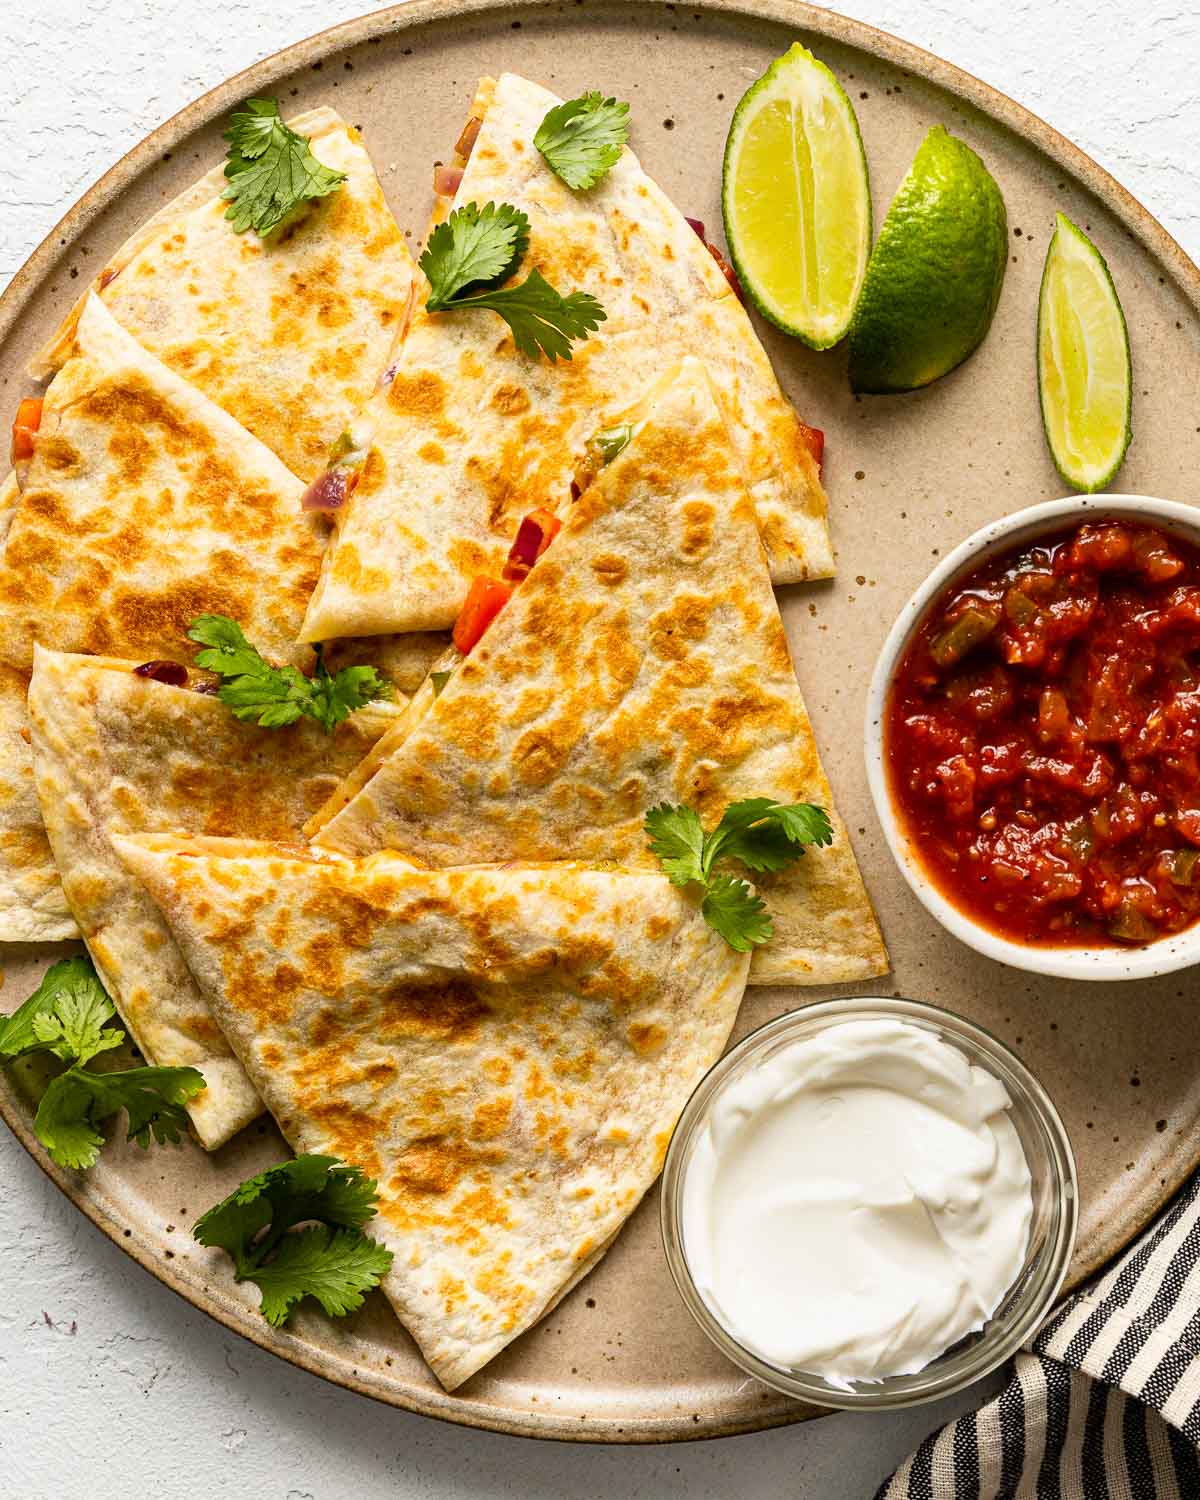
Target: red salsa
1042	738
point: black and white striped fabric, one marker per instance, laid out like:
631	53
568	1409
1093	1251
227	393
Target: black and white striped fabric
1104	1406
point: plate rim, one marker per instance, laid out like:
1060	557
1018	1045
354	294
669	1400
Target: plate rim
56	245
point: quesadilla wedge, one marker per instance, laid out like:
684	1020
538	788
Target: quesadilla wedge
32	907
468	433
10	493
505	1051
144	506
289	333
115	753
642	660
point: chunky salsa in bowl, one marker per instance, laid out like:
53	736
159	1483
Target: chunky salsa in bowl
1036	726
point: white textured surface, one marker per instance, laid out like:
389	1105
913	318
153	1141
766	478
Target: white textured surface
109	1385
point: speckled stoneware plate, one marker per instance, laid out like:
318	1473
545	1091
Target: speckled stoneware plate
908	478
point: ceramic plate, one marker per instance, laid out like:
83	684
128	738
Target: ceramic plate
908	477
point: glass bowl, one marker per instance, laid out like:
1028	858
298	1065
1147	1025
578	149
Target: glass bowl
1051	1234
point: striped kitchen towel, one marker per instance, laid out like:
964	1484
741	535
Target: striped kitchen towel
1106	1403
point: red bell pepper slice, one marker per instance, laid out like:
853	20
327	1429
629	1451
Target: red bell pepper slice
485	599
24	429
814	440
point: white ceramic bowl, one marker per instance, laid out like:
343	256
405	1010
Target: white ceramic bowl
1175	952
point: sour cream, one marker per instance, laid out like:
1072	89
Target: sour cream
857	1203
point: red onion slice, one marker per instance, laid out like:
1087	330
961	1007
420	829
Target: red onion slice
446	179
526	544
173	673
330	490
698	226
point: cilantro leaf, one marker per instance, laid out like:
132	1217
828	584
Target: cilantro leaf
348	1197
231	654
68	1118
17	1035
677	840
760	833
69	1015
733	909
336	1266
74	1030
153	1100
335	696
256	692
65	1123
743	814
804	823
474	244
272	170
479	247
766	835
331	1260
235	1222
542	320
271	698
307	1187
582	138
766	847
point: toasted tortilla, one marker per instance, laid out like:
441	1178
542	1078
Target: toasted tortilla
144	506
287	334
642	660
32	906
116	754
10	493
504	1051
469	434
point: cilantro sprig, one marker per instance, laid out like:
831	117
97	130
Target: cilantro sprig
760	834
271	169
475	244
256	692
330	1259
582	138
70	1016
472	251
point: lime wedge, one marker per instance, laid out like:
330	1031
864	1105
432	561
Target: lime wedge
796	199
935	273
1084	374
